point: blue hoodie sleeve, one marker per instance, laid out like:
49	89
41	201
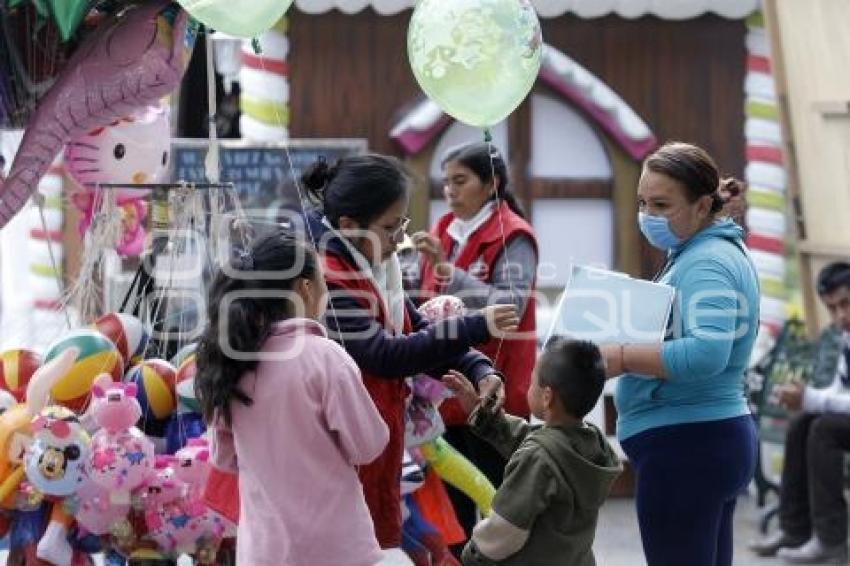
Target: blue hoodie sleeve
708	303
430	348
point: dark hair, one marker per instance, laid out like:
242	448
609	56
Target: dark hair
361	187
249	319
485	160
832	277
696	171
574	369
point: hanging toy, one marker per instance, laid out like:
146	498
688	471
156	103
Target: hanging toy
449	464
16	369
133	149
55	461
127	332
97	355
93	509
122	458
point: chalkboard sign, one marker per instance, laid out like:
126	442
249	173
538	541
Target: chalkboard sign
264	174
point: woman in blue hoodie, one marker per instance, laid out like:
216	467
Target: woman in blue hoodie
683	419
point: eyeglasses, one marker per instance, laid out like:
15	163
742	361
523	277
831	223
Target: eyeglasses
398	233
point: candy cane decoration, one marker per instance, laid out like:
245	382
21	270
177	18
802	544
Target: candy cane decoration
45	245
265	87
766	177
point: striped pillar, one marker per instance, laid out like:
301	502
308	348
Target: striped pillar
43	275
265	87
766	177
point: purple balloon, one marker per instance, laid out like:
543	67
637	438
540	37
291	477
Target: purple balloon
127	63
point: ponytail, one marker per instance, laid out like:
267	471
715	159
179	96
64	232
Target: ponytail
361	187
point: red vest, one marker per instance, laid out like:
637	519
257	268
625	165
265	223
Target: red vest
381	478
516	357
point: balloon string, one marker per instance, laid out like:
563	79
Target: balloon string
488	138
39	202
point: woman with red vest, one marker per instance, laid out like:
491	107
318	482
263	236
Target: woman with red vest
360	222
485	252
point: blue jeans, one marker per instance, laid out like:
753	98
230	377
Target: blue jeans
688	479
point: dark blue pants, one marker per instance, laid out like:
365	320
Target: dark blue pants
688	478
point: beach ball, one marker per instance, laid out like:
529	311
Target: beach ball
155	382
16	369
127	333
183	353
97	355
185	385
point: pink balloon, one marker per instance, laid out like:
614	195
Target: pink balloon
95	511
132	60
132	149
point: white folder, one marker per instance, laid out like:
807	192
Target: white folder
610	307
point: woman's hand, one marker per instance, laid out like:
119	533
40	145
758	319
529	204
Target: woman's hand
429	246
501	319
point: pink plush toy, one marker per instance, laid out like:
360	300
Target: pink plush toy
423	422
122	457
192	466
93	509
133	211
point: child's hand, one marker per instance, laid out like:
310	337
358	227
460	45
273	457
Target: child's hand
464	390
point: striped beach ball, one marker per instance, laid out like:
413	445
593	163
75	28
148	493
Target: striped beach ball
127	333
97	355
16	369
154	380
182	354
185	384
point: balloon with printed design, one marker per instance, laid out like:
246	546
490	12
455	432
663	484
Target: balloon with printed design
92	508
133	149
122	457
98	355
250	19
55	461
477	59
16	369
127	332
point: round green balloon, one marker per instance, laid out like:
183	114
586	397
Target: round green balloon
477	59
246	18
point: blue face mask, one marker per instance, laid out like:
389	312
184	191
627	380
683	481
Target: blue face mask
657	231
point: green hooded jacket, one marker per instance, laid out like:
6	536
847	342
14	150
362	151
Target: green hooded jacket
545	512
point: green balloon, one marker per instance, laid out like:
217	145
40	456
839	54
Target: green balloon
68	14
242	18
477	59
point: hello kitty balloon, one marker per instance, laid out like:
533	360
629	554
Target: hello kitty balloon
122	457
134	149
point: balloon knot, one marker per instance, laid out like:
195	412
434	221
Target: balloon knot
255	43
488	137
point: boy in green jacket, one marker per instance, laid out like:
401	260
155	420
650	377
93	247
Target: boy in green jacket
559	473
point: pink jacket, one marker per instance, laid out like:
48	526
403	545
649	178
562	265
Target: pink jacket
296	450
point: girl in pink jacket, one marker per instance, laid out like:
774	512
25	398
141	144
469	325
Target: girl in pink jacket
289	412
